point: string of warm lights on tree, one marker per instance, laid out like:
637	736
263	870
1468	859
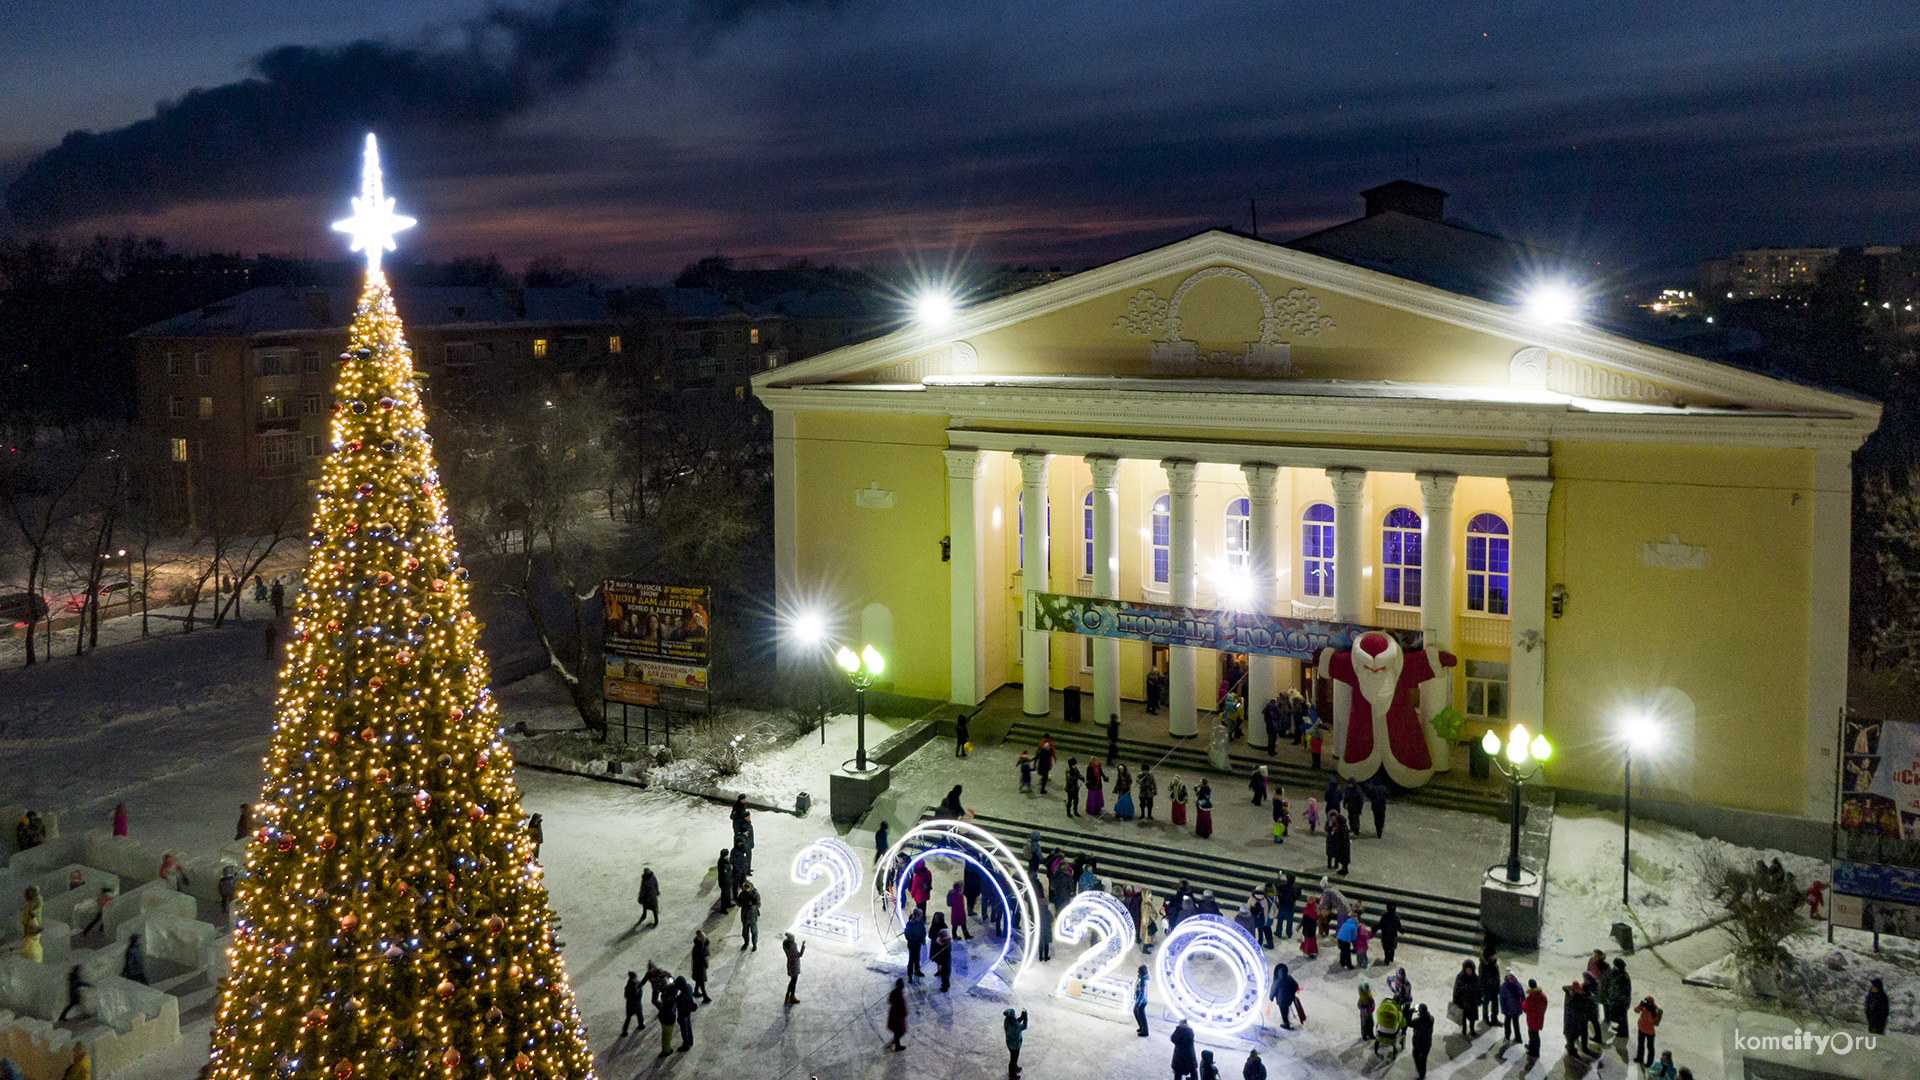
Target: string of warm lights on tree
394	922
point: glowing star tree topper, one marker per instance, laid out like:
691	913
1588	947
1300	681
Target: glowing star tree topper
373	222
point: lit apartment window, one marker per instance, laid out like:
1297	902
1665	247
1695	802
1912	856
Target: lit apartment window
613	343
539	346
310	405
739	393
177	408
278	447
206	408
753	335
274	407
174	367
203	364
179	449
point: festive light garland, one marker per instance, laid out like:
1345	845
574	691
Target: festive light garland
970	843
1090	977
394	923
821	916
1229	941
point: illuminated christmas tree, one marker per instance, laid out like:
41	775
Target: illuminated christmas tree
395	924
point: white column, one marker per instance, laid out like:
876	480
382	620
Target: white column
1349	485
1527	667
1182	710
1436	557
788	594
1262	563
1827	622
966	569
1106	580
1035	660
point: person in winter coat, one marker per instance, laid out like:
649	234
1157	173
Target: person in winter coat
916	934
134	964
173	873
1616	992
973	883
633	991
1664	1070
897	1014
1273	714
1255	1069
1312	814
1489	988
1113	738
749	902
536	833
1310	928
1466	997
1361	938
1286	994
1257	784
1367	1008
1511	995
1876	1008
1388	928
1025	764
794	951
1149	790
1349	928
1043	761
1573	1019
1208	1070
1314	744
1400	988
1203	811
75	983
1352	801
120	819
683	1010
920	887
1377	798
1140	1001
941	950
1096	788
1534	1008
1016	1028
1185	1065
649	897
668	1012
957	911
1123	794
880	844
1339	843
1420	1029
743	848
1650	1016
1283	900
1246	920
1282	817
702	953
244	827
1073	787
1177	795
951	807
961	735
723	870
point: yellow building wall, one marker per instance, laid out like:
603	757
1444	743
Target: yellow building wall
849	557
1731	637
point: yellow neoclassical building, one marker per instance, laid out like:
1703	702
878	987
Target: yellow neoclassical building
1595	527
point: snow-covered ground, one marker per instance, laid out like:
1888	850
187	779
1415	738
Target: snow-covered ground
175	728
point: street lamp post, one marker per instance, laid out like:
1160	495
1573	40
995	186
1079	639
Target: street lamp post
1640	733
810	629
1519	755
861	670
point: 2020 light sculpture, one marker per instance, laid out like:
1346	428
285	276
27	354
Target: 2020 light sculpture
394	922
821	917
971	844
1226	940
1090	977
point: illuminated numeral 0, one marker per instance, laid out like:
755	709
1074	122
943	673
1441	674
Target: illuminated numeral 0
1227	941
1089	978
822	917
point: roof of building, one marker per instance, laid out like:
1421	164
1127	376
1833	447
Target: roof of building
276	310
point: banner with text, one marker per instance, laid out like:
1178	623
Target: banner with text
1202	628
1881	782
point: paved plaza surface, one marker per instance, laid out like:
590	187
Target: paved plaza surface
176	728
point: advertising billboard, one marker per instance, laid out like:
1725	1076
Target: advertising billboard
1876	877
654	638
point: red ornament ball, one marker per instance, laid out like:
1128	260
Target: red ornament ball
421	798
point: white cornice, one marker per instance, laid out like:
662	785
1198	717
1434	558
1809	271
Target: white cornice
1582	343
1298	456
1288	415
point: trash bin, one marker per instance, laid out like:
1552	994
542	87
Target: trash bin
802	803
1072	697
1623	934
1479	764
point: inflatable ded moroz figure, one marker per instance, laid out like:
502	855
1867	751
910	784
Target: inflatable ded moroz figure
1384	700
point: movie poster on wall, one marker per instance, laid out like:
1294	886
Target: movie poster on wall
1880	779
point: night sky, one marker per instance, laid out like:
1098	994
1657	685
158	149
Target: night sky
638	136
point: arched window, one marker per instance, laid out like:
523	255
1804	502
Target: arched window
1160	530
1316	551
1400	557
1239	534
1487	564
1086	534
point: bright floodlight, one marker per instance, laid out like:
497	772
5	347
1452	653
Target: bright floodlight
933	308
809	628
1236	588
1490	743
1551	303
871	657
846	659
1641	733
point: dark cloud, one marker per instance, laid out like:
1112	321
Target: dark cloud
251	136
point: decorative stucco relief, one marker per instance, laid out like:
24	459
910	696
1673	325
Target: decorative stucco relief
1293	315
1671	554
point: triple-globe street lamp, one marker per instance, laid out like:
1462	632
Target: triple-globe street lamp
1523	761
862	671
